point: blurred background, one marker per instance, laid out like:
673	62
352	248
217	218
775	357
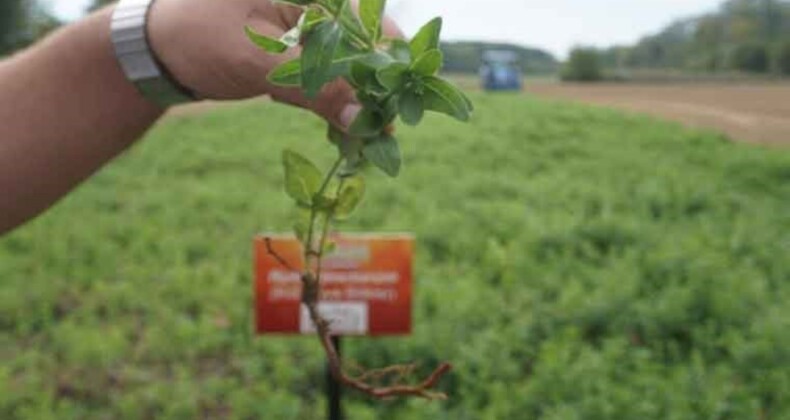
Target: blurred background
704	44
608	239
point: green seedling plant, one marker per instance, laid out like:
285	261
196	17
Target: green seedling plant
392	78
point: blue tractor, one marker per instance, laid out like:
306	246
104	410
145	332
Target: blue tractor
501	71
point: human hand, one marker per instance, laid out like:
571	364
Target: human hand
203	45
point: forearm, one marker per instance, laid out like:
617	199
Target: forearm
65	110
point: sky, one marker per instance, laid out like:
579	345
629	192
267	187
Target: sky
554	25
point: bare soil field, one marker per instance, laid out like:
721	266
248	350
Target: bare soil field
758	112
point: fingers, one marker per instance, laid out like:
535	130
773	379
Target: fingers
390	28
336	103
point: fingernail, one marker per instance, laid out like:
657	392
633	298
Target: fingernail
349	114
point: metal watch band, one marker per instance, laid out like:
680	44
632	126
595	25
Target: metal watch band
130	41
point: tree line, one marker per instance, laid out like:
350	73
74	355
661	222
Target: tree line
23	22
742	36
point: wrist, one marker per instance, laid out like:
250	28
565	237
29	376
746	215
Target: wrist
130	32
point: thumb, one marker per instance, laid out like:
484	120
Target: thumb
348	114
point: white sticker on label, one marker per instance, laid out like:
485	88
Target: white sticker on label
344	318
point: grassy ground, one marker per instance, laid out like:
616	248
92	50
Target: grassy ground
573	263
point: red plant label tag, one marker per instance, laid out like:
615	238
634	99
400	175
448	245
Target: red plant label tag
366	286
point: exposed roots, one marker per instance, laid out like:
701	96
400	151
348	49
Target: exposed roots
366	381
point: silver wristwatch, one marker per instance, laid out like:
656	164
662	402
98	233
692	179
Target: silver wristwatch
137	59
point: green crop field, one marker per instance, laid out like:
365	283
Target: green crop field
573	263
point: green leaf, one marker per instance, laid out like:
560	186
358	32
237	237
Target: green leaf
350	22
364	76
368	99
323	204
334	6
349	197
317	57
392	76
376	60
441	96
351	149
339	68
310	19
427	38
301	224
400	51
367	124
469	105
411	108
371	13
302	177
335	135
429	63
270	45
364	69
389	110
288	74
385	154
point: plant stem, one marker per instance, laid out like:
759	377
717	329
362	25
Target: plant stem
331	174
308	246
360	40
325	233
